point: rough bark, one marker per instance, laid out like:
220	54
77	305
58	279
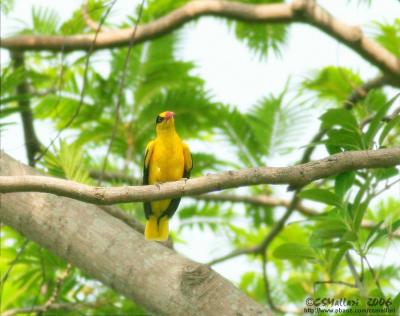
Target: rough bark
298	11
105	248
295	176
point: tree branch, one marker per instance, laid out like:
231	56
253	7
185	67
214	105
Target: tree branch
258	200
297	176
299	11
106	249
31	141
361	91
93	25
53	307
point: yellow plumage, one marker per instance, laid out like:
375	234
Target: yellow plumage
167	159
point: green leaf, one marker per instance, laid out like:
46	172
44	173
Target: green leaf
45	21
389	36
294	251
329	229
385	173
337	259
77	24
263	117
278	125
396	302
377	121
346	139
236	128
374	100
68	163
377	233
359	214
321	195
339	117
333	83
374	235
395	122
157	8
261	38
343	182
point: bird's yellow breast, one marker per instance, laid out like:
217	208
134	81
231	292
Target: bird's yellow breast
167	161
166	164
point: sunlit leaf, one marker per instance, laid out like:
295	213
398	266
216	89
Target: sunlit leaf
294	251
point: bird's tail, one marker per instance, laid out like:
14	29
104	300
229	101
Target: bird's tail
156	228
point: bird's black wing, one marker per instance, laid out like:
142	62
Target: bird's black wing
173	206
147	205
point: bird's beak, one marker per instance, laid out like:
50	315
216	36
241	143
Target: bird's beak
169	115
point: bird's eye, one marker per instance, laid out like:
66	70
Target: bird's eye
159	119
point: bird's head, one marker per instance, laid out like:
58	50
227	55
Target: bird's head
165	122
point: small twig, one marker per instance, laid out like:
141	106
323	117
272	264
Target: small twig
361	92
84	83
387	186
387	118
353	271
374	275
57	288
52	307
92	24
332	282
267	287
258	200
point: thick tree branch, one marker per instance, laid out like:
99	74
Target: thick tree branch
299	11
105	248
297	176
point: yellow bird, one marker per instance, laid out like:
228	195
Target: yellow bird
167	158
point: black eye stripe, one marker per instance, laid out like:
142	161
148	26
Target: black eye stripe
159	119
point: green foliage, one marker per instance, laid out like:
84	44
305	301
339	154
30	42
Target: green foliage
76	23
389	36
9	81
294	251
321	195
6	6
376	122
158	8
353	218
261	38
251	283
67	163
44	22
333	83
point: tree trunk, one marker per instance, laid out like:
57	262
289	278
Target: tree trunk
155	277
